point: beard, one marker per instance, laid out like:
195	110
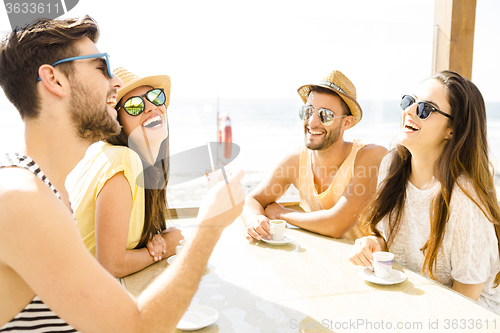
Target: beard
90	116
329	139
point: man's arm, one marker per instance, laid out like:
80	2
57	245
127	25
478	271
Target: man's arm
339	219
56	265
269	190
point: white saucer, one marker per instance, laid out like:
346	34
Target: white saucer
287	239
171	259
197	317
395	277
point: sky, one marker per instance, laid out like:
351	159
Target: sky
268	48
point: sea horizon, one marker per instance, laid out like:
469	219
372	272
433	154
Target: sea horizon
265	129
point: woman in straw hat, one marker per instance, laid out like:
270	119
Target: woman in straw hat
436	207
120	197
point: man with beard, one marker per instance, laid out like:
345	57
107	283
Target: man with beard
336	179
63	88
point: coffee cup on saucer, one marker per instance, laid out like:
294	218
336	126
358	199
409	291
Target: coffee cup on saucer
382	263
278	228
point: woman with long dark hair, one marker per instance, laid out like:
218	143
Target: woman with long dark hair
436	207
120	195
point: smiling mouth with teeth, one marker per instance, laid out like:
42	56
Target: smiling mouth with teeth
411	127
313	132
111	101
152	122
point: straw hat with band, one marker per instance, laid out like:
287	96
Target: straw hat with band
340	84
132	81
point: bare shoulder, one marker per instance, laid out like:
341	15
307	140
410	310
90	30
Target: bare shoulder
19	186
371	155
13	179
23	199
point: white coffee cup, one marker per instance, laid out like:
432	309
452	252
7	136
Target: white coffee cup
179	247
382	263
278	228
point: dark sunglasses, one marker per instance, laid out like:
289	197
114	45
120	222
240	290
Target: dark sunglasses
88	56
424	109
135	105
327	117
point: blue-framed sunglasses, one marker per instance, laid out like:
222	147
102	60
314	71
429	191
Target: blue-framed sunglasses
88	56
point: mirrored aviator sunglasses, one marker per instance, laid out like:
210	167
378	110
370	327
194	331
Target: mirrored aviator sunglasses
135	105
424	109
327	117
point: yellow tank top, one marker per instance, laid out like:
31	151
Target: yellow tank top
101	162
311	200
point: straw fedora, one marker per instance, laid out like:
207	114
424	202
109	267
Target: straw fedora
339	83
132	81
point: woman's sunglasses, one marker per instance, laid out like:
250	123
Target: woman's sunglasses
135	105
327	117
424	109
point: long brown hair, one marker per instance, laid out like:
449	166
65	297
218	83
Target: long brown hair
466	153
155	184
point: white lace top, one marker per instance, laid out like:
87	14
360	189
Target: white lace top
469	252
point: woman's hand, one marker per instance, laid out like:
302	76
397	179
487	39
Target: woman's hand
163	245
156	247
362	250
172	236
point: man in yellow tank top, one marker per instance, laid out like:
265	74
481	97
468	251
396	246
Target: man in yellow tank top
336	179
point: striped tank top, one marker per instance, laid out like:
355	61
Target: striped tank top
36	316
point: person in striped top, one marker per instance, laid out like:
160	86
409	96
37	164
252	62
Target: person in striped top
62	85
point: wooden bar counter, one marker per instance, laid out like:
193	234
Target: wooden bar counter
310	286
